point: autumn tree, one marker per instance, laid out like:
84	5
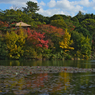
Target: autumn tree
52	34
3	26
15	44
36	39
66	42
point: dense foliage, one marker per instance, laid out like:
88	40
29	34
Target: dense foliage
56	37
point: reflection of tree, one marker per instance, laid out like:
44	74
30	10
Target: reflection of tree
2	84
15	63
57	88
85	78
39	81
62	82
37	63
14	82
65	78
83	64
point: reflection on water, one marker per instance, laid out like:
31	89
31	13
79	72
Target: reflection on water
69	63
59	83
49	84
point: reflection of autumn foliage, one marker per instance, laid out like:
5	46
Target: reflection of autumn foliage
57	88
65	79
37	39
28	83
15	82
38	82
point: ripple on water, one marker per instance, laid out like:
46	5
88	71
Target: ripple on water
60	82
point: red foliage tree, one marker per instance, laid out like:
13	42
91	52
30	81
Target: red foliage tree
52	34
51	30
3	24
37	39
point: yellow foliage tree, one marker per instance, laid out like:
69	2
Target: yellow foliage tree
15	44
65	44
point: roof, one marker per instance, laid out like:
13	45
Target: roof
22	24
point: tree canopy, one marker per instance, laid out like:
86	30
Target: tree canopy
31	7
47	37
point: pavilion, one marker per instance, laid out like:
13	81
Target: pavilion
23	25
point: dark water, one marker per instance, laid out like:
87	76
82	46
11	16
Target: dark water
61	83
68	63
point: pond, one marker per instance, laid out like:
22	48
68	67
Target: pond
54	77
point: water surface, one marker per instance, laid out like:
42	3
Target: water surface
69	63
47	83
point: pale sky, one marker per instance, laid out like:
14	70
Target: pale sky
51	7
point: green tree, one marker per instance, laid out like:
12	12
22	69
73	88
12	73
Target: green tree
82	45
60	23
75	21
89	24
87	16
31	7
13	16
3	48
2	16
56	17
16	16
83	30
80	16
10	16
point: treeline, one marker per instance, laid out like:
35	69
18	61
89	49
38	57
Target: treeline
55	37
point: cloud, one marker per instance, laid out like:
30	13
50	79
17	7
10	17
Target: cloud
67	7
85	3
42	3
50	12
52	3
64	4
15	1
18	3
93	4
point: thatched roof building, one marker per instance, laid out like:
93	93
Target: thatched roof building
22	24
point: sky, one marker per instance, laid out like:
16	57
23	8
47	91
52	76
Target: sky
51	7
